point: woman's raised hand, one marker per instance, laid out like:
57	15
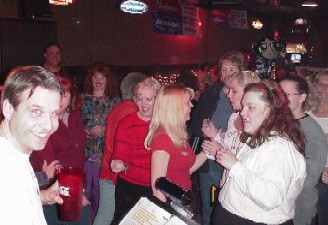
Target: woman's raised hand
226	158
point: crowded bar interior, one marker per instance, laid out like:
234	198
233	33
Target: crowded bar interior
182	41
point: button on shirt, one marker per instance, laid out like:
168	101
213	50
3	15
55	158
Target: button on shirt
265	182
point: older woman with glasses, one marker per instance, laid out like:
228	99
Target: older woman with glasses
301	99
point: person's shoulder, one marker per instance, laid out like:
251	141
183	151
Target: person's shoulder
76	112
86	99
234	115
7	153
121	110
160	133
125	105
4	142
161	140
213	91
214	87
75	118
116	100
131	118
4	145
311	128
282	150
278	143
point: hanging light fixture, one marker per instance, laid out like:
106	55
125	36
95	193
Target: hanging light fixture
309	3
257	24
61	2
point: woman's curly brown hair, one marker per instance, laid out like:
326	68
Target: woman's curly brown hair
112	86
280	120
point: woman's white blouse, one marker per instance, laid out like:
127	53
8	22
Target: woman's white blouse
263	185
230	140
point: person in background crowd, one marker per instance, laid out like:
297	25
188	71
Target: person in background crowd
130	159
268	172
301	99
203	76
167	139
214	73
101	94
303	72
108	178
213	105
29	105
52	58
320	114
189	79
230	139
65	145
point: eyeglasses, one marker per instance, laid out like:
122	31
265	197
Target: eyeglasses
291	94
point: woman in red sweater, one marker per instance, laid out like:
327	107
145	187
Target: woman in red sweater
130	159
172	156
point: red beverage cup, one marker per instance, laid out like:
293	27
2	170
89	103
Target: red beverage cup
70	190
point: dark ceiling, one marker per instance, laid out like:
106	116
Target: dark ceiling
284	12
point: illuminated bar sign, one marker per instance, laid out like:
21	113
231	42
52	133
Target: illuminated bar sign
134	7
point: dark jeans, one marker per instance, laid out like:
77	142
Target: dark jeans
209	174
322	204
126	194
206	180
223	217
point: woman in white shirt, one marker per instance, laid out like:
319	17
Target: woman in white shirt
268	172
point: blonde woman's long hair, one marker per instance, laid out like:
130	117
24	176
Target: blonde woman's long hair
169	114
243	78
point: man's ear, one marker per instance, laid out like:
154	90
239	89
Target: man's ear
7	109
303	98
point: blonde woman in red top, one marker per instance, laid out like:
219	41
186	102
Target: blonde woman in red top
172	156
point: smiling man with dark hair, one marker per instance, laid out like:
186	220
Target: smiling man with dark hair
29	106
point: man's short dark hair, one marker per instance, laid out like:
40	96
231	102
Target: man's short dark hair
27	77
49	45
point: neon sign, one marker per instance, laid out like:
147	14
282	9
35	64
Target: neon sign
133	7
61	2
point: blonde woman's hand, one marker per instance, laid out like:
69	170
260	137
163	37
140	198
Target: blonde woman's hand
117	165
211	147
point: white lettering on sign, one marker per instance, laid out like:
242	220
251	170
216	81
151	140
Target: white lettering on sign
64	190
134	7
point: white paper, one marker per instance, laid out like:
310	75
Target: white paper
146	212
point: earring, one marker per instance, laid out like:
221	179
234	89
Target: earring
68	108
